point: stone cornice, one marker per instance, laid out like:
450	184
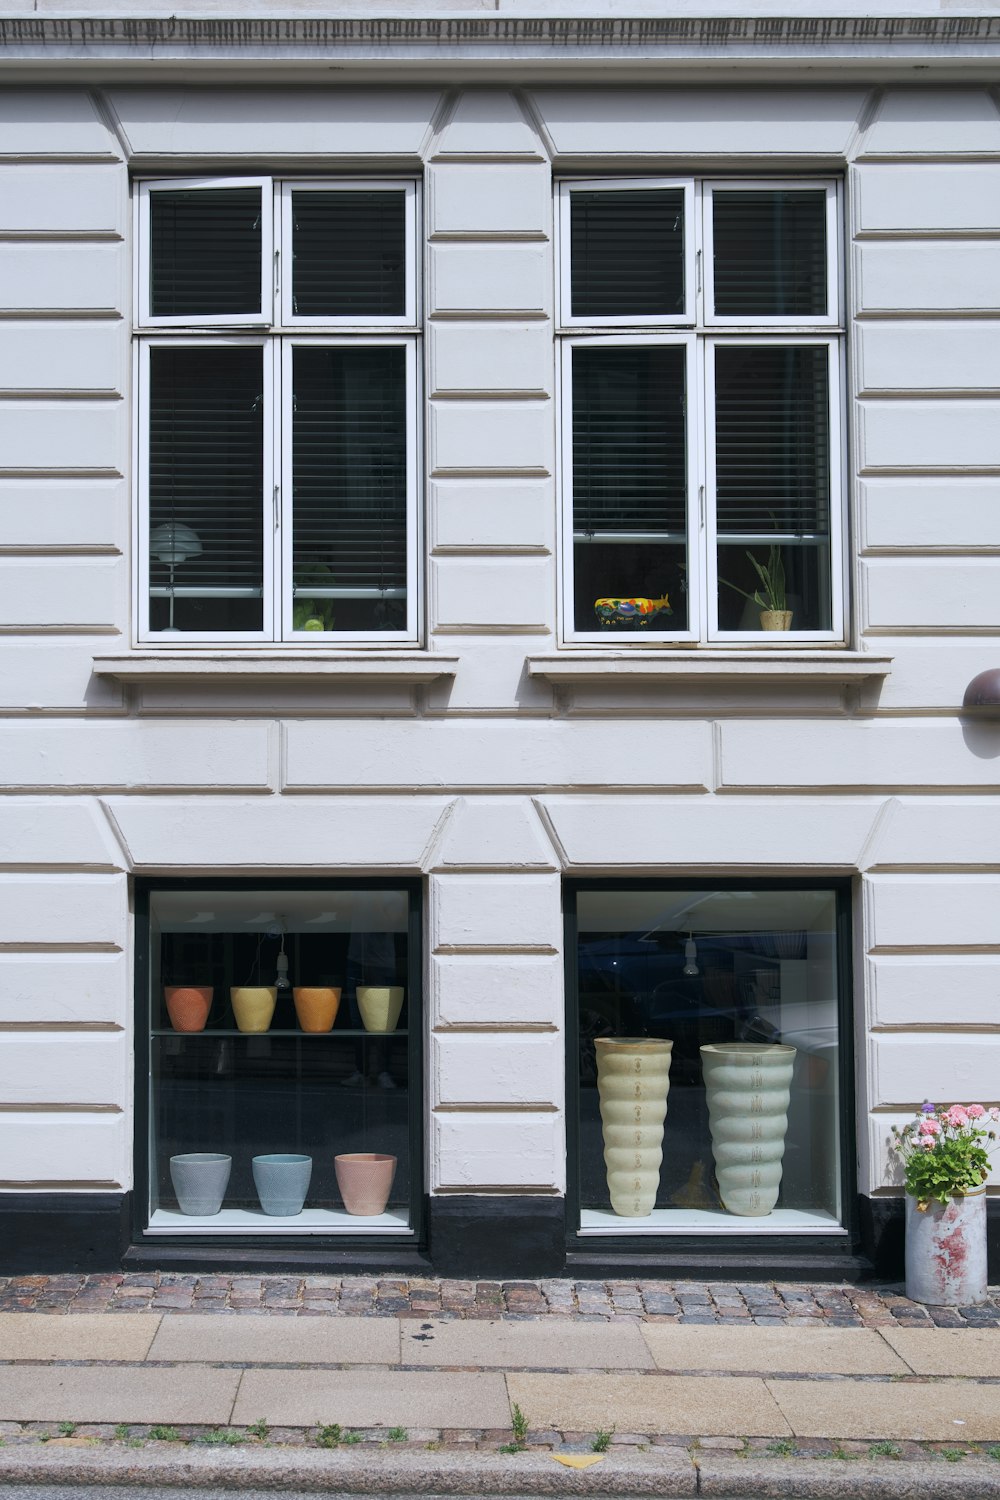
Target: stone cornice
821	37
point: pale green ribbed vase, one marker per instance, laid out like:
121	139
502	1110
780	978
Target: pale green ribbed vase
748	1086
633	1077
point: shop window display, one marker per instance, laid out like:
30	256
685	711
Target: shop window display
708	1060
282	1042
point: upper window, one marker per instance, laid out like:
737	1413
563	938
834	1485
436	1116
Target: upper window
702	373
277	379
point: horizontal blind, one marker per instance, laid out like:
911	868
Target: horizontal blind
205	252
629	451
627	253
772	440
206	470
769	252
349	473
349	254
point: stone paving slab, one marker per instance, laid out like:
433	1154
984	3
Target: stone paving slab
537	1343
116	1393
938	1411
360	1398
209	1337
821	1350
706	1406
88	1336
948	1351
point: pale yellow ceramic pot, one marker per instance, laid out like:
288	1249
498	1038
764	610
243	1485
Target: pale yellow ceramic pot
316	1006
380	1005
633	1077
253	1005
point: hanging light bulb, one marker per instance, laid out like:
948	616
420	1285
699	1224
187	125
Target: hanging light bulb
282	983
690	957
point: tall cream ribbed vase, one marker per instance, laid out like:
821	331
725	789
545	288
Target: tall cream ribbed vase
748	1086
633	1077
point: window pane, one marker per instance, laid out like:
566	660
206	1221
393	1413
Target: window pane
205	252
627	251
770	253
205	488
739	980
242	1067
629	487
772	443
349	254
349	488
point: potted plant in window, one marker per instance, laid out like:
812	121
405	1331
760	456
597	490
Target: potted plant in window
946	1162
771	596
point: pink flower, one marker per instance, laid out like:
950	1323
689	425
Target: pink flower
995	1113
929	1128
927	1143
974	1111
957	1117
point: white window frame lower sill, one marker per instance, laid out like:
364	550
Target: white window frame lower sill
222	667
708	666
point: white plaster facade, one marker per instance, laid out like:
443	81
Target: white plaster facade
495	760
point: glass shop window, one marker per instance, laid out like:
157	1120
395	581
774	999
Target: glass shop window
282	1041
708	1060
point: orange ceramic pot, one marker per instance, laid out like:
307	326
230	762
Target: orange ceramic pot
316	1006
365	1181
188	1005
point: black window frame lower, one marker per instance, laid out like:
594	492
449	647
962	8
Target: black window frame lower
678	1247
275	1247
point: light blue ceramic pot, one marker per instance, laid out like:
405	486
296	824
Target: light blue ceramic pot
200	1179
282	1182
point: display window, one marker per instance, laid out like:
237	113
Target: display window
282	1028
708	1061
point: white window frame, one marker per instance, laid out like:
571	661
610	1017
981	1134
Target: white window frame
406	319
626	185
706	333
695	482
276	335
833	316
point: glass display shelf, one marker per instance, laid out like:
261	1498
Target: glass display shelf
233	1221
161	1031
710	1221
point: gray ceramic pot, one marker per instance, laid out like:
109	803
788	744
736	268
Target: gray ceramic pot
282	1182
200	1180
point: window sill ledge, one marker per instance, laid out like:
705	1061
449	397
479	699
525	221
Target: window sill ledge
709	666
289	666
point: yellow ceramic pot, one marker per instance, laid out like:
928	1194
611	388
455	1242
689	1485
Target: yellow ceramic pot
253	1005
380	1005
316	1006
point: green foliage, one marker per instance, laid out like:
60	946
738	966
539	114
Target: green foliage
164	1434
602	1440
885	1450
67	1429
332	1435
397	1435
781	1448
222	1435
259	1429
519	1423
771	595
953	1455
121	1431
511	1448
943	1153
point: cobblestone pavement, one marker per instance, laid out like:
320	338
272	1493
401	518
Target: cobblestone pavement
766	1304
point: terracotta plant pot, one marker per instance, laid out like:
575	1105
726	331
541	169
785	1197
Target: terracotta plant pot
316	1006
380	1005
253	1005
282	1182
200	1179
775	619
365	1181
188	1005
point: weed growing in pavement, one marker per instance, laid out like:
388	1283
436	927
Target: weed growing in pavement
164	1434
953	1455
397	1435
332	1435
67	1429
885	1450
222	1435
781	1448
259	1429
519	1424
511	1448
838	1452
432	1447
602	1440
121	1432
994	1453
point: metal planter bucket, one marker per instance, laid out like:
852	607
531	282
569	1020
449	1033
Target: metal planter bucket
946	1251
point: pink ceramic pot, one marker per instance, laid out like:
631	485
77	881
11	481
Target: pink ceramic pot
188	1005
365	1181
